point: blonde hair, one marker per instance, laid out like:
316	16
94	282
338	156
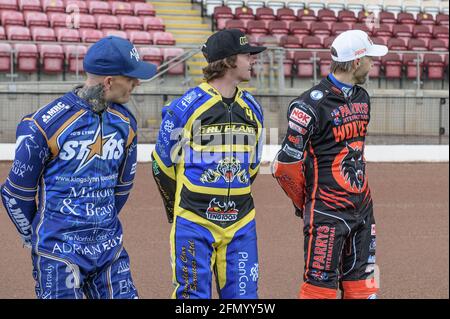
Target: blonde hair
217	69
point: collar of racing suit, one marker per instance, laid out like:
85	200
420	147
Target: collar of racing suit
205	86
345	88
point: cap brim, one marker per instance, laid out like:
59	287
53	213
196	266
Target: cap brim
377	50
253	50
145	71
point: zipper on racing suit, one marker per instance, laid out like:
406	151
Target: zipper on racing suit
230	118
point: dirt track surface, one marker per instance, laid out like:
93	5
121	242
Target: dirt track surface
411	210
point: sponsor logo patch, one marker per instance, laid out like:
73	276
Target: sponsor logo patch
316	95
221	211
300	117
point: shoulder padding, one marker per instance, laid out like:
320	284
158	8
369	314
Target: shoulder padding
183	104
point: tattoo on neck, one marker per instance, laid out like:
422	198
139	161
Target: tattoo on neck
94	95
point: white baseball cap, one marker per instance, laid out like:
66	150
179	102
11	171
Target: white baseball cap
354	44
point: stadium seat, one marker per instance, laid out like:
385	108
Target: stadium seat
52	58
425	19
315	6
363	27
327	42
34	18
114	32
299	29
347	16
410	63
275	5
244	14
153	24
254	4
288	63
363	16
339	27
265	14
53	6
411	6
163	38
355	6
76	6
12	18
278	28
441	33
328	16
406	19
402	32
304	64
383	32
68	35
2	33
392	65
417	45
377	40
257	27
90	35
130	23
29	5
233	4
87	21
121	8
99	7
397	44
221	16
236	24
57	19
442	19
324	61
74	57
312	42
307	16
422	32
151	54
5	57
393	6
434	64
9	5
375	71
26	57
140	37
286	14
290	42
320	30
171	53
18	33
388	19
107	22
437	45
43	34
143	9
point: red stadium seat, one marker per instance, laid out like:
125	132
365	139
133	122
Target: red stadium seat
107	22
18	33
327	42
425	19
52	58
347	16
34	18
244	14
53	6
303	61
365	15
388	19
221	16
121	8
397	44
422	32
383	32
406	19
268	41
375	71
402	32
339	27
30	5
290	41
130	23
265	14
12	18
43	34
257	27
328	16
434	64
2	33
363	27
441	33
320	30
153	24
90	35
312	42
163	38
57	19
442	19
143	9
87	21
68	35
410	62
437	45
99	7
288	63
116	33
140	37
299	29
324	60
26	57
9	5
236	24
417	45
171	53
307	16
377	40
76	6
151	54
278	28
392	65
286	14
74	57
5	57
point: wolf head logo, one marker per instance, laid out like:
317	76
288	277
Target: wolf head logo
353	168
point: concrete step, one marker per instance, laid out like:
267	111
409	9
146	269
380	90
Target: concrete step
176	25
172	5
191	40
178	12
203	33
174	18
171	2
186	35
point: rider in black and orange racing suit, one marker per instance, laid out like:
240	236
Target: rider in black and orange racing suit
321	167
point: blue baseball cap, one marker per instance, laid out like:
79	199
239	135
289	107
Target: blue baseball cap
116	56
